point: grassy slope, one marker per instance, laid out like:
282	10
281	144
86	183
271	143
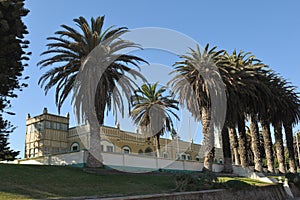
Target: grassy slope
32	182
26	181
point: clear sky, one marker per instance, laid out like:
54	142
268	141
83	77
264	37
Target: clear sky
268	29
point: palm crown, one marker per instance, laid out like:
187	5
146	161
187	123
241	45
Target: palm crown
69	51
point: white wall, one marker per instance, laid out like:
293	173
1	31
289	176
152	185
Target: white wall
121	161
72	158
137	161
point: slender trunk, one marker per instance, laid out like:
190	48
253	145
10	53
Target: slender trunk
242	142
95	117
255	143
266	133
157	146
279	146
94	158
234	144
226	150
208	134
290	146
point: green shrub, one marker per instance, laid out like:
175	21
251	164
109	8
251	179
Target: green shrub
236	184
190	182
294	178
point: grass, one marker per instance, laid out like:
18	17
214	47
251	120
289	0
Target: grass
36	182
29	181
249	181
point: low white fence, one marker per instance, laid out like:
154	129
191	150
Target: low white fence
72	158
125	162
129	162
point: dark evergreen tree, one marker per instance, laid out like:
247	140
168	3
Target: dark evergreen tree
5	152
12	57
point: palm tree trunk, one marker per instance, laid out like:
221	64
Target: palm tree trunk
95	118
208	134
94	158
279	146
255	144
234	144
242	142
266	133
226	150
290	146
157	146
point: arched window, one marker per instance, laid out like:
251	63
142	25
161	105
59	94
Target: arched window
188	157
75	146
107	146
149	151
126	150
197	158
140	151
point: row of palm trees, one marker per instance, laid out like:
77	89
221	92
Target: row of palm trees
252	91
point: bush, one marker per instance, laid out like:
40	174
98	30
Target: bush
293	178
190	182
236	184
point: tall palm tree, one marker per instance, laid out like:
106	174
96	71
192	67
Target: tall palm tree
153	111
276	106
234	144
69	50
290	116
197	75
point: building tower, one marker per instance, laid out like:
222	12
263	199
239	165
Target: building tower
46	134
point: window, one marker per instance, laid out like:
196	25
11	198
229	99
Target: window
75	147
30	153
149	152
54	125
48	124
30	128
55	150
36	152
126	150
63	127
197	158
188	156
41	126
102	148
46	150
165	154
110	149
183	157
140	152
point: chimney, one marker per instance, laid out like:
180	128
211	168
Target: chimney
45	111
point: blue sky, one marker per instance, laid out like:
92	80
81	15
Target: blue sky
268	29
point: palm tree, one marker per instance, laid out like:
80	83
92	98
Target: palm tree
70	50
276	107
234	144
283	111
153	111
196	75
290	116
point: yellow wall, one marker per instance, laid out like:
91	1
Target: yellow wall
49	140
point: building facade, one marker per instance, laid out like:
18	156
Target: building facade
49	134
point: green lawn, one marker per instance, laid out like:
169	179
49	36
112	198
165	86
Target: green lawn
246	180
28	181
32	182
